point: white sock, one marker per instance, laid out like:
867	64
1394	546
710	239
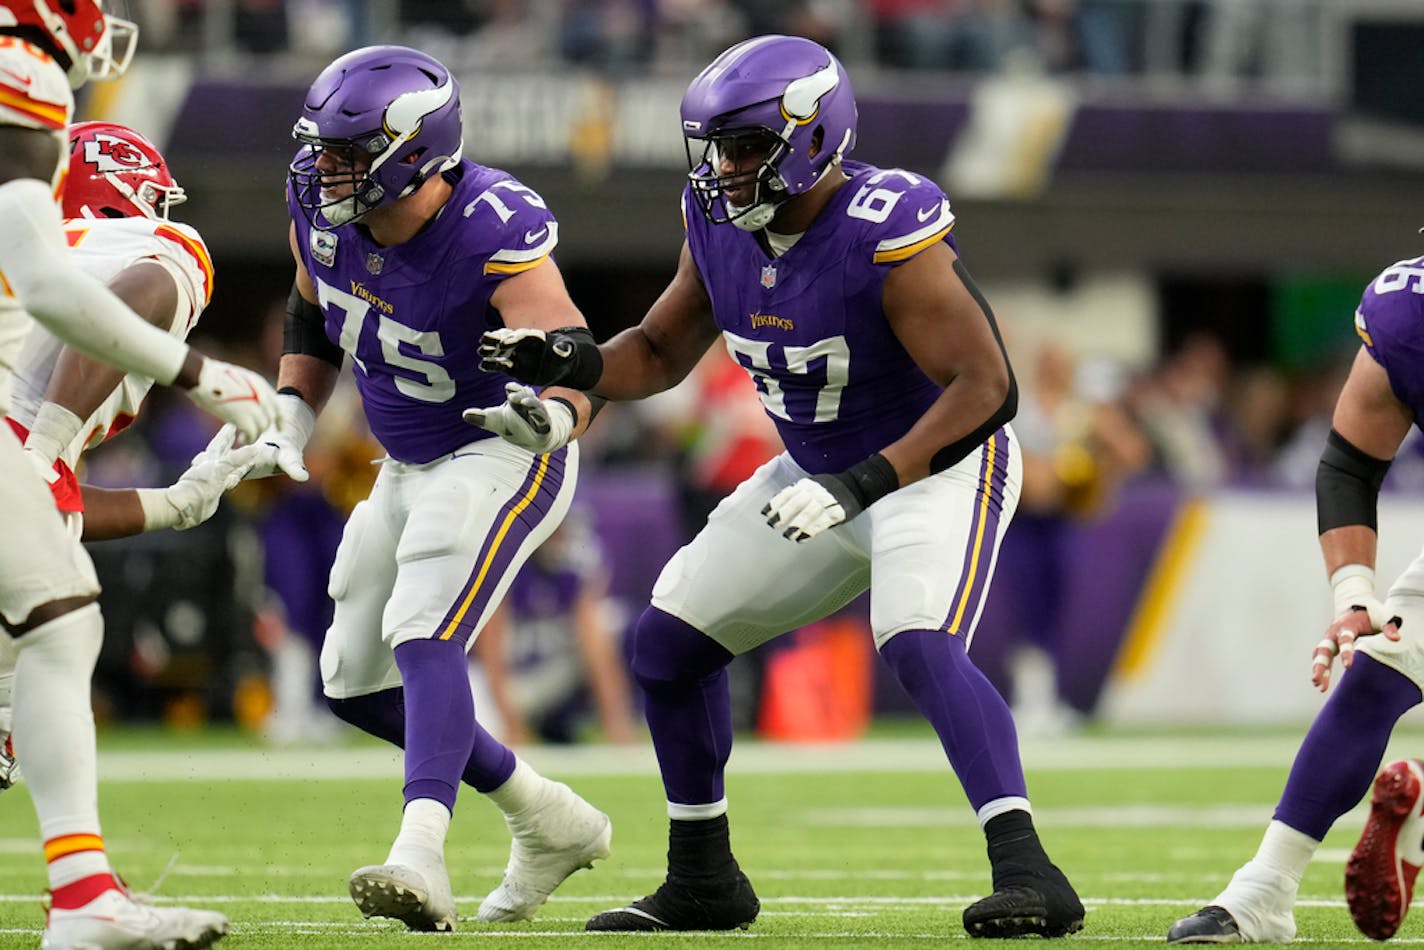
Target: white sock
1285	850
424	826
1262	892
54	739
520	790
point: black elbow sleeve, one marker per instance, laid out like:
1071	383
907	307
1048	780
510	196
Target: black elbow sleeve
958	450
1347	485
305	331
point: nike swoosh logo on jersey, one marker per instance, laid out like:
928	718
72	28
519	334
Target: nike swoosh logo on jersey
531	236
24	82
925	214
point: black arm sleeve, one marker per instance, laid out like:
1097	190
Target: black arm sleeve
305	331
959	449
1347	484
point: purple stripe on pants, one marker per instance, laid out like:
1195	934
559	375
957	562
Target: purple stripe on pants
983	535
521	515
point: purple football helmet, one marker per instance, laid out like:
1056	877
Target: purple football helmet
390	106
786	89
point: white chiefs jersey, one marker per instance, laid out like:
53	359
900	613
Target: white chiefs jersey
34	94
104	247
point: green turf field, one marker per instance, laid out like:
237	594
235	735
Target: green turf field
864	845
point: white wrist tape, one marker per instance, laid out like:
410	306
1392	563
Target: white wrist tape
158	511
1353	584
54	428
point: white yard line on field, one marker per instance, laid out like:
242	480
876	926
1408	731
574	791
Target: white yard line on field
1071	753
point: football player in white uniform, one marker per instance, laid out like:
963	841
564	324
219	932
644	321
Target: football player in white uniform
116	200
47	584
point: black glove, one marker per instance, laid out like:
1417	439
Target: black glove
564	357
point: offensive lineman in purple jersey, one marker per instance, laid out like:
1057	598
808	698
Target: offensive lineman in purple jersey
405	252
1381	400
838	288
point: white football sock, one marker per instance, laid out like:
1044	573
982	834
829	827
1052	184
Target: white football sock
1286	850
520	790
54	737
423	828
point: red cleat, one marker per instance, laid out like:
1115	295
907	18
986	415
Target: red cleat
1379	877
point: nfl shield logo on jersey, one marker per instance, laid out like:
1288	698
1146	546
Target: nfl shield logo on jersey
374	262
768	276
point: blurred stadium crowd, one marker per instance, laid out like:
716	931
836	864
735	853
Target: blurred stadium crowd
1270	40
224	621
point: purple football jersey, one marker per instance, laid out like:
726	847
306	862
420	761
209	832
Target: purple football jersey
411	316
809	326
1391	322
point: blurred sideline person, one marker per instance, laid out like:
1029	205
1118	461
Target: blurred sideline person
115	204
550	652
300	527
837	286
404	252
1379	404
48	586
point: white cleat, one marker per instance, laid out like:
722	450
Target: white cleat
417	893
553	838
113	921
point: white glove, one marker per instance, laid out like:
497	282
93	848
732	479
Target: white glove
192	499
805	509
236	395
282	445
539	425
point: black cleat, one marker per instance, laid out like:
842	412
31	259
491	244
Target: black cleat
720	904
1211	924
1038	902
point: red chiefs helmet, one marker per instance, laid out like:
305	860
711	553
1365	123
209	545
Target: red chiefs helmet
88	43
114	172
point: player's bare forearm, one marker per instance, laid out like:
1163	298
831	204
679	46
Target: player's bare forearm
537	299
634	368
1349	544
964	406
111	513
80	383
311	376
946	326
